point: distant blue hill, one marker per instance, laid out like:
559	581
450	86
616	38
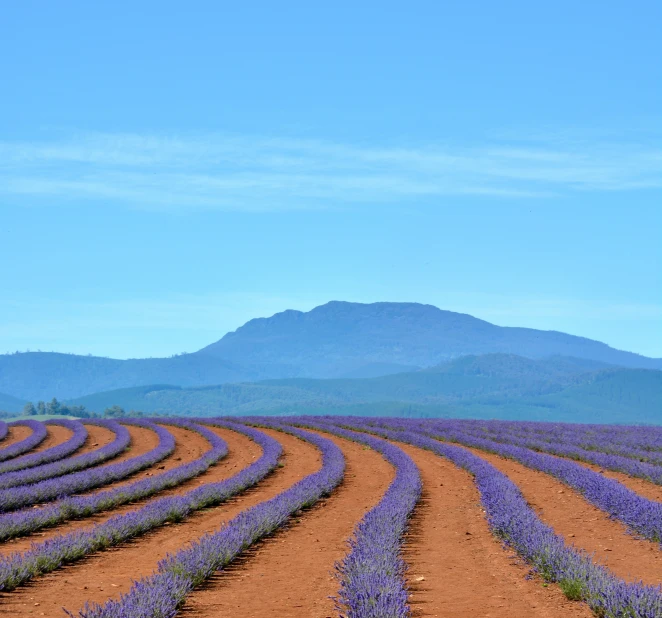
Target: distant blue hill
10	404
487	386
332	339
336	340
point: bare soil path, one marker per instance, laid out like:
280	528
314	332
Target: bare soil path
15	434
457	567
291	573
582	524
644	488
189	446
143	440
56	435
112	572
97	437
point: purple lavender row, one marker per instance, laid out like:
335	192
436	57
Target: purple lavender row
512	520
161	594
648	438
73	464
45	557
68	484
20	523
55	453
37	436
618	463
3	430
568	437
641	515
372	575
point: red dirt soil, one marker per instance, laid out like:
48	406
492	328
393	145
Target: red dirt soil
189	446
582	524
107	574
15	434
97	437
457	567
644	488
291	573
142	441
56	435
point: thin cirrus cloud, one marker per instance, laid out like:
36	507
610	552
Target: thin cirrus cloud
249	173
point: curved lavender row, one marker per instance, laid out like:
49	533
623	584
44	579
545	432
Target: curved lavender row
44	491
641	515
64	549
37	436
648	471
72	464
54	453
511	519
161	594
20	523
3	430
372	574
578	445
648	438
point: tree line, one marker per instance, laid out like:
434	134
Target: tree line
58	408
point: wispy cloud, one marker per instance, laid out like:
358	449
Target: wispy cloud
258	173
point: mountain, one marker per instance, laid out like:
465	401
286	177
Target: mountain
339	337
336	340
489	386
44	375
10	404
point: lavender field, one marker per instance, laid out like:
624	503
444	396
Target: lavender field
329	516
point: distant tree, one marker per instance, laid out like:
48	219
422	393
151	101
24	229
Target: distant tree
114	412
53	407
29	409
78	411
41	407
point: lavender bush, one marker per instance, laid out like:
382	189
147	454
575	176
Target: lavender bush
72	464
60	451
372	575
20	523
37	436
159	595
67	548
642	516
633	462
44	491
512	520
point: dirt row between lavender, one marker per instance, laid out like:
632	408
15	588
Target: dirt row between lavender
108	574
457	568
15	434
292	572
97	437
189	445
55	436
644	488
582	524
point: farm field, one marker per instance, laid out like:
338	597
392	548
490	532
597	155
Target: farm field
329	516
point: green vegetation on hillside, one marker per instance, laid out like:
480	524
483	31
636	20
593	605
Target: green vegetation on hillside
491	386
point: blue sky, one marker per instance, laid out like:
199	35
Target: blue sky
169	172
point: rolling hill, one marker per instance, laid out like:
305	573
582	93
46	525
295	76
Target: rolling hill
336	340
489	386
44	375
10	404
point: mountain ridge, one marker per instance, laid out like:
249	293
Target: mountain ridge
338	339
